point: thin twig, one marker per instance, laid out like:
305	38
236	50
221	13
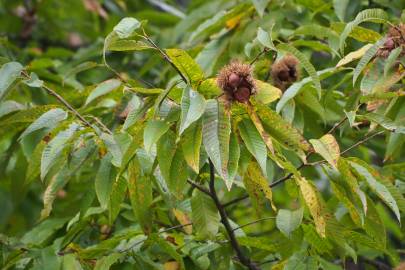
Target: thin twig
253	222
265	50
362	141
160	232
224	220
164	55
63	101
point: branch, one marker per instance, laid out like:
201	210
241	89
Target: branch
63	101
224	220
259	55
199	187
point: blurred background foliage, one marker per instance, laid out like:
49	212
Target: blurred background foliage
62	42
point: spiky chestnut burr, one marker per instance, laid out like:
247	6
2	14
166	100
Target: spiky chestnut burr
285	72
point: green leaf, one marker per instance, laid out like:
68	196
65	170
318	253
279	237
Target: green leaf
254	142
204	215
178	174
153	131
10	106
368	15
265	38
187	66
384	122
55	148
140	194
192	108
294	89
104	180
41	232
102	89
309	68
34	81
216	135
48	120
366	58
260	6
126	27
137	111
340	8
287	221
191	143
328	148
127	45
266	93
107	261
364	172
300	261
9	72
391	60
118	194
117	145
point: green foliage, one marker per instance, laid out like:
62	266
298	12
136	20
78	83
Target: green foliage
119	150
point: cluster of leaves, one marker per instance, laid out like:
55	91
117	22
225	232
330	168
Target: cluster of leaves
122	154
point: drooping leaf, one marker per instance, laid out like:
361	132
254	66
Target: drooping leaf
314	204
381	190
153	131
192	107
257	183
328	148
191	144
254	143
140	194
216	135
9	72
287	221
55	147
204	215
117	196
104	180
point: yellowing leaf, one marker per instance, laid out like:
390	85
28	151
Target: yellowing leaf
266	93
328	148
312	200
353	55
184	220
256	180
187	66
171	266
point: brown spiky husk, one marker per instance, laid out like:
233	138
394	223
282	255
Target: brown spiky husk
395	39
285	72
244	72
